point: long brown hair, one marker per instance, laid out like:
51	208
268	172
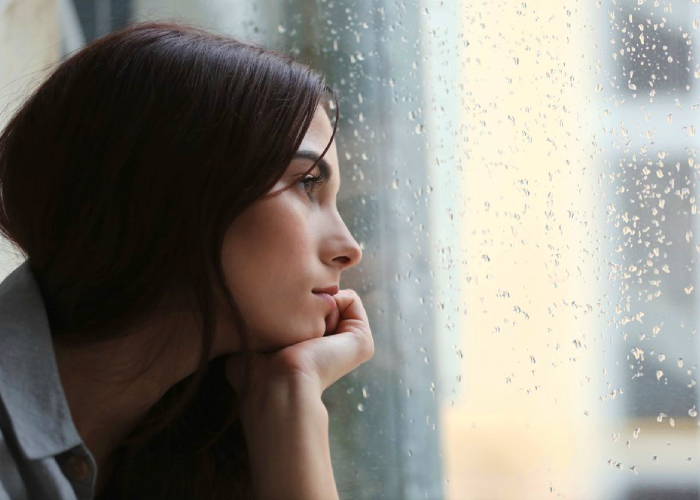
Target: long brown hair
118	179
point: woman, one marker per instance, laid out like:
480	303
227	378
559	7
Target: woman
174	193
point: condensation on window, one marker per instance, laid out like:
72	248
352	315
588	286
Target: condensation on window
522	178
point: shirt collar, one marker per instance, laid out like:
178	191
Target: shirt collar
30	386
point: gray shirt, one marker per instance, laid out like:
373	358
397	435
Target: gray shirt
41	453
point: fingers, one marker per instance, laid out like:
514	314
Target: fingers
346	344
337	355
332	321
351	344
329	358
350	306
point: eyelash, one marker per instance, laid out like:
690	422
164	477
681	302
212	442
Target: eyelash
314	180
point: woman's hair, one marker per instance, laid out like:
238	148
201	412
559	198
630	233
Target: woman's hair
119	177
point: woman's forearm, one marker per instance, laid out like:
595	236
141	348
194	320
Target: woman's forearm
290	451
278	399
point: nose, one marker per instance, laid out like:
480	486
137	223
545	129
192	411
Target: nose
343	248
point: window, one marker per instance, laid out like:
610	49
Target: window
652	54
522	177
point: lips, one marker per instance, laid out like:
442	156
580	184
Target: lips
330	290
327	298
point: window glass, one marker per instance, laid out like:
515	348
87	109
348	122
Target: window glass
522	179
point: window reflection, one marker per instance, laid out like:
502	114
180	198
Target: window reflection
651	53
657	251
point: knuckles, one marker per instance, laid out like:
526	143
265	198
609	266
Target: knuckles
300	368
365	345
367	350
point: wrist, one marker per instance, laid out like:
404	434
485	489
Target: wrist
284	399
289	450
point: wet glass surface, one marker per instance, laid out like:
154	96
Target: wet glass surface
522	177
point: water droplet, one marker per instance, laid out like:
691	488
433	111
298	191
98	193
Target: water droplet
638	353
636	432
655	459
680	362
361	407
281	29
659	374
365	393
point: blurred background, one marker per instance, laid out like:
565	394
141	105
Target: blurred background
522	177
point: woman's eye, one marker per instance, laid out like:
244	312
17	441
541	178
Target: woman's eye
310	183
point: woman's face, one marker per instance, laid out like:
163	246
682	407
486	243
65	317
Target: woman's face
280	249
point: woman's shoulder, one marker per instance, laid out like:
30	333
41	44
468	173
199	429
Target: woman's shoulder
41	453
24	478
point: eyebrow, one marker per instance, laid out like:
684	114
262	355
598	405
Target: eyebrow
322	164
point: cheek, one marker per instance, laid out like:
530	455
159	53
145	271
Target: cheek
267	265
255	244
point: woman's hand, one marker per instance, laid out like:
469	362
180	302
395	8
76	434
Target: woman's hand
315	363
278	398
